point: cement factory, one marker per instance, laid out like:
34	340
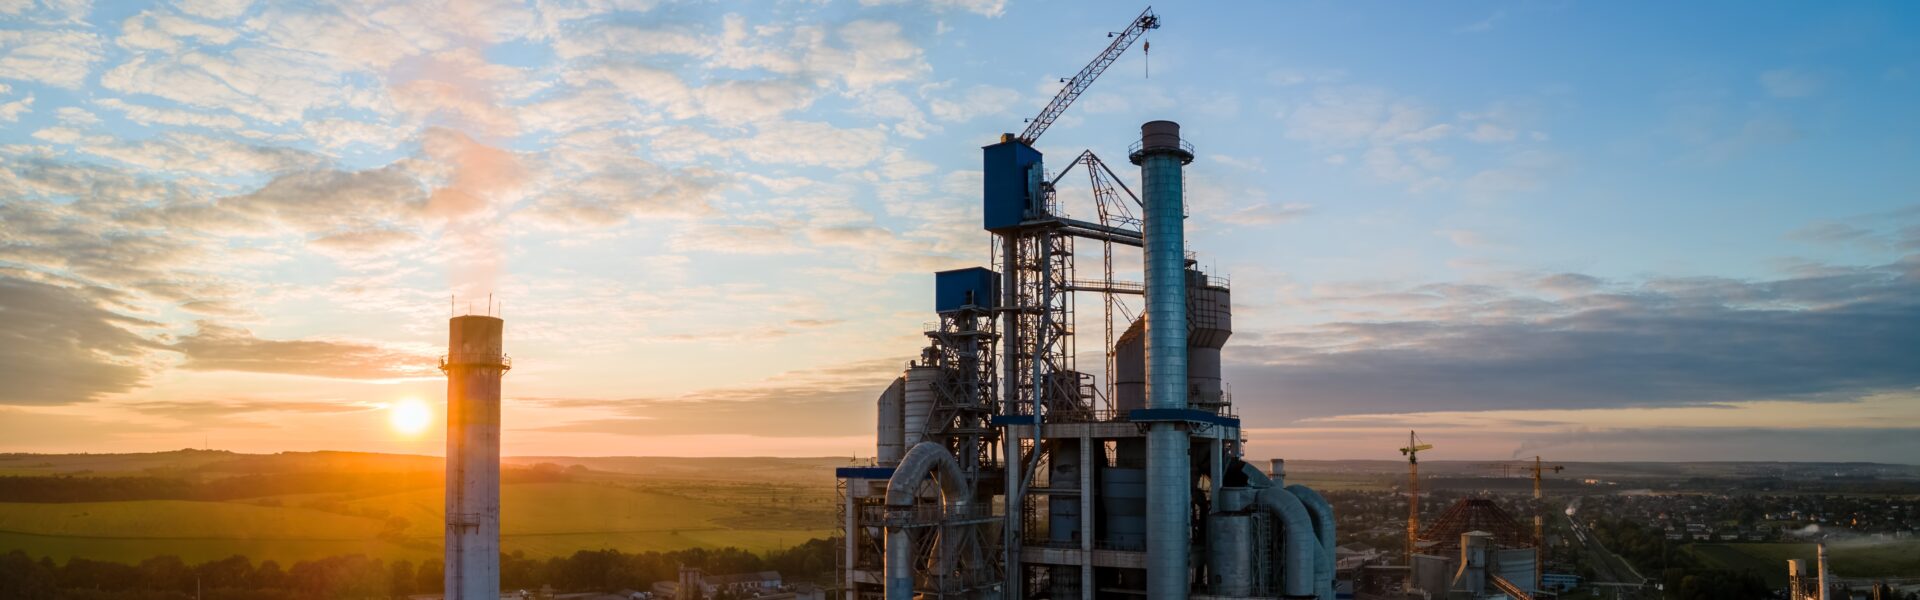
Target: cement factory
1004	471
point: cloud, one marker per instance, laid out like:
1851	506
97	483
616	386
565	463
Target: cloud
11	111
1483	25
1790	83
270	84
1269	213
977	101
60	58
794	404
215	347
989	8
1688	341
57	346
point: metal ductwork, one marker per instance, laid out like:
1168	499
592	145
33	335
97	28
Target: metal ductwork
920	462
1299	544
1323	529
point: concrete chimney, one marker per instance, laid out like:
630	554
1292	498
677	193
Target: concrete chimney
1823	571
473	364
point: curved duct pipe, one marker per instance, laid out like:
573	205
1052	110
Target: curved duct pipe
1298	544
1323	528
902	488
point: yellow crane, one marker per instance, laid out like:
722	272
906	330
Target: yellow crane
1539	526
1412	452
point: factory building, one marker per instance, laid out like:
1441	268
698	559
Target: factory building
474	362
1475	550
1004	471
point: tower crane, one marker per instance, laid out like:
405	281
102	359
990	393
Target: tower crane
1412	452
1079	82
1539	524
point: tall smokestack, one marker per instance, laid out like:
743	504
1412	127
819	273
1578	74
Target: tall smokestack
1169	472
473	364
1823	571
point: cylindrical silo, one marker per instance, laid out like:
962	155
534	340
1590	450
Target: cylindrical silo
474	363
1230	553
1210	324
1130	369
1169	468
891	409
918	404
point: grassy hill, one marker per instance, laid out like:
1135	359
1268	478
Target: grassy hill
633	505
1849	559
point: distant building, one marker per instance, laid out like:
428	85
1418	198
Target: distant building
694	585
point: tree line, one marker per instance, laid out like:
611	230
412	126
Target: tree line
69	488
357	577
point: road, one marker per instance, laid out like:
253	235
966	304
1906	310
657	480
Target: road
1610	571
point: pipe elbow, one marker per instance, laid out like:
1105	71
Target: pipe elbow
919	463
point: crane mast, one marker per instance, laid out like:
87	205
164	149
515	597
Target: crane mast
1078	84
1412	452
1539	521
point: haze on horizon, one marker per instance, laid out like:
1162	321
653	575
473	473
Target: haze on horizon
1519	227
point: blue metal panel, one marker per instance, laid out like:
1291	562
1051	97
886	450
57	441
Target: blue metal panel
1005	420
864	472
1008	169
953	290
1180	415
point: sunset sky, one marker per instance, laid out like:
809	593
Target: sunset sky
1587	230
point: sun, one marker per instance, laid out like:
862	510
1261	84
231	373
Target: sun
409	416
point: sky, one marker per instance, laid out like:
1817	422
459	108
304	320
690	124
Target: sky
1584	230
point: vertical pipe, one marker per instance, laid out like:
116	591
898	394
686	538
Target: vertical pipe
474	363
1086	516
854	529
1009	395
1169	468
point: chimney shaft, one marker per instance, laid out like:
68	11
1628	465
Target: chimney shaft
474	363
1169	468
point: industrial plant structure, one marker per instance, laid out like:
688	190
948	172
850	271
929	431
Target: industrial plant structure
1475	550
474	363
1004	471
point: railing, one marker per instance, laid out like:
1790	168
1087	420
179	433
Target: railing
476	359
1135	147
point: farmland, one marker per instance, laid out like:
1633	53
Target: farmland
568	507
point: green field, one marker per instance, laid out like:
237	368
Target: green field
639	505
1847	559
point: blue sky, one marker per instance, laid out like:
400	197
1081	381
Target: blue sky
1604	230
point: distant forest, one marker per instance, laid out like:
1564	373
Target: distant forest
357	577
68	488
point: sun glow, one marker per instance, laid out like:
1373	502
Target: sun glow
409	416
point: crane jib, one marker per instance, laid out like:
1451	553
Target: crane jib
1078	84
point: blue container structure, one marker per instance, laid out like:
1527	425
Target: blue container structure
1012	172
976	287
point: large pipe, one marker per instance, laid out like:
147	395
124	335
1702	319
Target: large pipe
474	363
1323	530
1298	543
1169	472
919	463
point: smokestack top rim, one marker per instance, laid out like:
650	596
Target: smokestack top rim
1160	137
